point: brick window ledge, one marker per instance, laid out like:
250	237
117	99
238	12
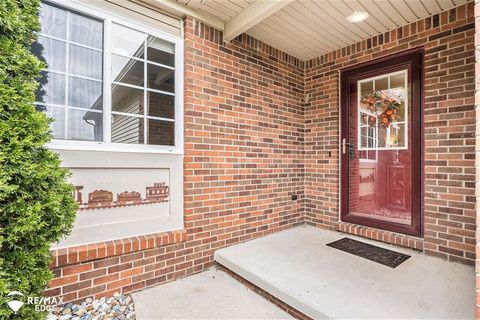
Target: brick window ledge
104	249
381	235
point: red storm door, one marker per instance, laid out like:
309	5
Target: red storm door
382	144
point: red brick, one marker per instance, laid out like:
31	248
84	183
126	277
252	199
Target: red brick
57	282
77	269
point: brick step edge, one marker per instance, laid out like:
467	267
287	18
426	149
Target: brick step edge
104	249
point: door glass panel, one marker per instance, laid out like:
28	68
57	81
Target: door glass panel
379	156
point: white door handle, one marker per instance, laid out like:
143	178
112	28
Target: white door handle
344	144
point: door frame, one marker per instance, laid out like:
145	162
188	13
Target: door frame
413	60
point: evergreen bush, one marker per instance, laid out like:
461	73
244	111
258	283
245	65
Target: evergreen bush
36	203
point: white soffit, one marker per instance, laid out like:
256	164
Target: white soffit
309	28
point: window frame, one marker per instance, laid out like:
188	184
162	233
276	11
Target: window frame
108	18
405	122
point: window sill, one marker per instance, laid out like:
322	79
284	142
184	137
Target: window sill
112	147
105	249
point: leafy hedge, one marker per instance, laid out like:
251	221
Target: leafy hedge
36	203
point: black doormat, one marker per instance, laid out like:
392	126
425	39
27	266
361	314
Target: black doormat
384	256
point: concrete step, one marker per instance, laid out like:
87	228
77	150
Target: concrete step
297	267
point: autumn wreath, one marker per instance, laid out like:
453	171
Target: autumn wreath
378	101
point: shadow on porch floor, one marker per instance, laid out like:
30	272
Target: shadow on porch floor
298	268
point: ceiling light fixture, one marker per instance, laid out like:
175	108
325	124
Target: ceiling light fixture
357	16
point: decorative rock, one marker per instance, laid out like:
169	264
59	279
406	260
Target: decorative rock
118	307
80	311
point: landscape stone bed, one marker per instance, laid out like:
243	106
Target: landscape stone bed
118	307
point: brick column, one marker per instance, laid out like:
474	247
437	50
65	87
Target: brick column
477	153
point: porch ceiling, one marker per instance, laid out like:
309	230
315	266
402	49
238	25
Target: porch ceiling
307	28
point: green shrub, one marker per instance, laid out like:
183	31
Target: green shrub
36	203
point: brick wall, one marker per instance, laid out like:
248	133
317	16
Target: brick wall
449	132
243	163
477	151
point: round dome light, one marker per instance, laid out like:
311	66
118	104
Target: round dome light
357	17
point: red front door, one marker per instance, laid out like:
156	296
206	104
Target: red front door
382	144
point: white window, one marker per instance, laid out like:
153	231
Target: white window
110	84
383	112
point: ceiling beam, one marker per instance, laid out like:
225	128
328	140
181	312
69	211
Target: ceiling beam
252	15
181	10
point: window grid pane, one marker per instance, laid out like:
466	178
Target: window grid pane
73	78
383	106
142	90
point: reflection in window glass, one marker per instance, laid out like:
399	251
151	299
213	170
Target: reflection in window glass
127	129
160	51
161	105
127	42
161	132
128	70
85	125
85	93
127	100
153	99
77	116
160	78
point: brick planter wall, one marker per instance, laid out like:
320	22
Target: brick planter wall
262	126
449	132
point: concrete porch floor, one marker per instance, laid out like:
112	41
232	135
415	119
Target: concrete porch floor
298	268
212	294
